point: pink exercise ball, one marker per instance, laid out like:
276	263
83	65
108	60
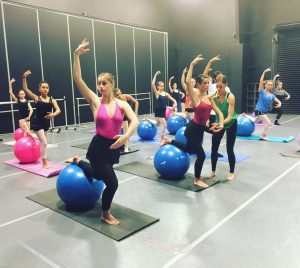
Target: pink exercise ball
19	133
27	150
169	112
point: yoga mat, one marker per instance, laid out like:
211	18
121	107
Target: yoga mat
131	220
36	168
270	138
238	157
293	154
148	171
86	146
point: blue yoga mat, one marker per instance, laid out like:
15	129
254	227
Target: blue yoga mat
270	138
138	139
238	157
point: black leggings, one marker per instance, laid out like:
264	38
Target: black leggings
279	112
105	172
194	137
230	140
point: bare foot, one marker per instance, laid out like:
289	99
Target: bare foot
109	219
230	176
264	137
200	183
164	141
75	159
45	163
211	175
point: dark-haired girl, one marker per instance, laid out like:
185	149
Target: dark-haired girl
194	131
176	93
162	98
225	101
43	113
24	107
281	95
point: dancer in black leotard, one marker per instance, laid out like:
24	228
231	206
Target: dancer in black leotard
43	113
24	107
176	94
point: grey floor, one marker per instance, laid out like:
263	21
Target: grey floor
253	221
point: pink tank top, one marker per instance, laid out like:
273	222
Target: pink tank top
106	126
202	113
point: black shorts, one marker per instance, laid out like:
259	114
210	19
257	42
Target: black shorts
38	124
189	110
257	113
160	112
99	151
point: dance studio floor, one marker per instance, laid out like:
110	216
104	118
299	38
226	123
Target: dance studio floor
253	221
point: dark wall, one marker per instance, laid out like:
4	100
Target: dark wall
257	19
193	27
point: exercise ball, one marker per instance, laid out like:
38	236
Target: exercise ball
146	130
169	112
171	163
19	133
27	149
245	127
76	191
174	123
180	135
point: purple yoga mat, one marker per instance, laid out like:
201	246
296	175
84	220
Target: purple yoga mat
36	168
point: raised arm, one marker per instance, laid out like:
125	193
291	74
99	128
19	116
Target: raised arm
275	78
170	81
262	79
84	90
183	83
209	64
153	84
56	110
135	103
14	98
190	89
28	92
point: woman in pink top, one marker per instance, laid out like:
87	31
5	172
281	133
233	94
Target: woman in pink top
202	105
104	150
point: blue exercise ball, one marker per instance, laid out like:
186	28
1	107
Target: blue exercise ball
76	191
245	127
180	135
174	123
146	130
171	163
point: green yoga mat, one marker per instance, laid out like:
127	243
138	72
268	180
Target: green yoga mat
270	138
131	220
86	146
148	171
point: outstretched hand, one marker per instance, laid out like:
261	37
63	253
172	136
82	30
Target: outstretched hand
216	127
267	70
119	142
157	73
216	58
27	73
185	70
83	47
197	60
12	81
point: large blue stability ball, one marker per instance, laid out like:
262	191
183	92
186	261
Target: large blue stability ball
245	127
174	123
146	130
171	163
180	135
76	191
